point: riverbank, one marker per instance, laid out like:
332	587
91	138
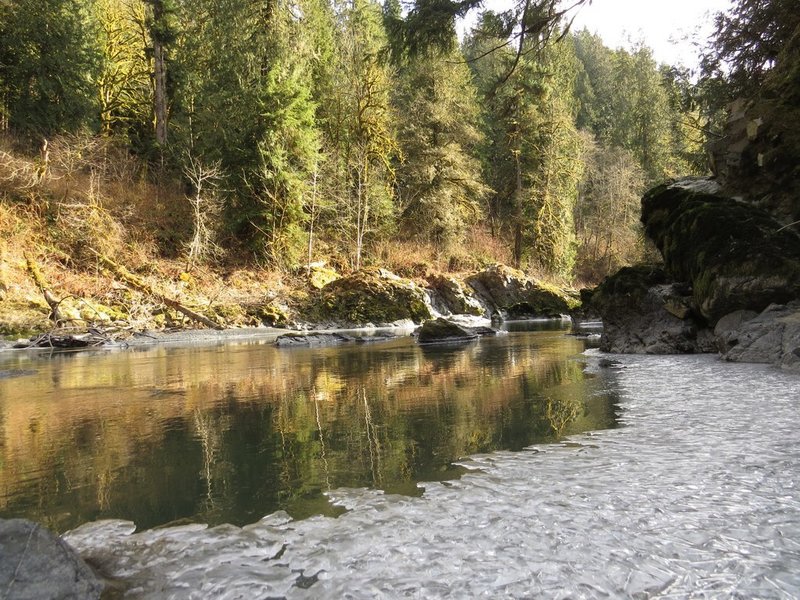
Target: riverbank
371	298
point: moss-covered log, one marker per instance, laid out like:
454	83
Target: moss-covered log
132	281
44	287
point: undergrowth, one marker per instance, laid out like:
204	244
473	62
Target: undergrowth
81	197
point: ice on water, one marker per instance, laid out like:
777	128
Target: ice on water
695	496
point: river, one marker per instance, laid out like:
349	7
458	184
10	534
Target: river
518	466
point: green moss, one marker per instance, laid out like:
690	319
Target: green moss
453	294
270	314
734	254
508	288
370	296
20	319
319	276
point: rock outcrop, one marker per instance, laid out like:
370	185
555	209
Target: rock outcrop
730	282
370	296
645	314
452	296
770	337
758	156
734	255
37	565
510	294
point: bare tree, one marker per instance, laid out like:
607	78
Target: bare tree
206	207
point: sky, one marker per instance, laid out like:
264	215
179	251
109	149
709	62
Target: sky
656	22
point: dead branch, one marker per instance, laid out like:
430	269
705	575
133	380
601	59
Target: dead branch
3	284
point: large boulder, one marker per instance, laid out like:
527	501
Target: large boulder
371	296
441	330
643	313
37	565
509	293
734	255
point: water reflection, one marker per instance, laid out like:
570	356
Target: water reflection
229	433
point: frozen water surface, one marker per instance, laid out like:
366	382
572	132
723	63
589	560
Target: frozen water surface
695	496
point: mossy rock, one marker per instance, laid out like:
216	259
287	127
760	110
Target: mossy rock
627	287
319	276
20	319
373	296
736	256
81	311
441	330
271	314
509	290
230	314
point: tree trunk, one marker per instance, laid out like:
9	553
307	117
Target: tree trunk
160	96
159	77
519	212
44	287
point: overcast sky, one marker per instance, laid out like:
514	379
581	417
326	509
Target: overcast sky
657	22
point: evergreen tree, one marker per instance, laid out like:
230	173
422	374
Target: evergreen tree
533	155
439	183
752	39
255	115
48	60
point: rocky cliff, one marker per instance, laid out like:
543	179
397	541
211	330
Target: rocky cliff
730	281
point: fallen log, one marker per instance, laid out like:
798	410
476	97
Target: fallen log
138	284
44	287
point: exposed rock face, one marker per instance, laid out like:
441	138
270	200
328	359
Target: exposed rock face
734	255
643	313
442	331
37	565
759	154
771	337
451	296
509	293
372	296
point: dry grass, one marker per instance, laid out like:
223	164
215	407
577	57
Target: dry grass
82	194
417	259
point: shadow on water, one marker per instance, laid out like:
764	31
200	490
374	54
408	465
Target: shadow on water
229	433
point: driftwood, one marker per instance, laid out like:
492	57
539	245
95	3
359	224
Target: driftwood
134	282
44	287
67	341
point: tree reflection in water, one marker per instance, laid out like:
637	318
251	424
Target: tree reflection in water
230	433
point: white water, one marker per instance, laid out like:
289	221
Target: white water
695	496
